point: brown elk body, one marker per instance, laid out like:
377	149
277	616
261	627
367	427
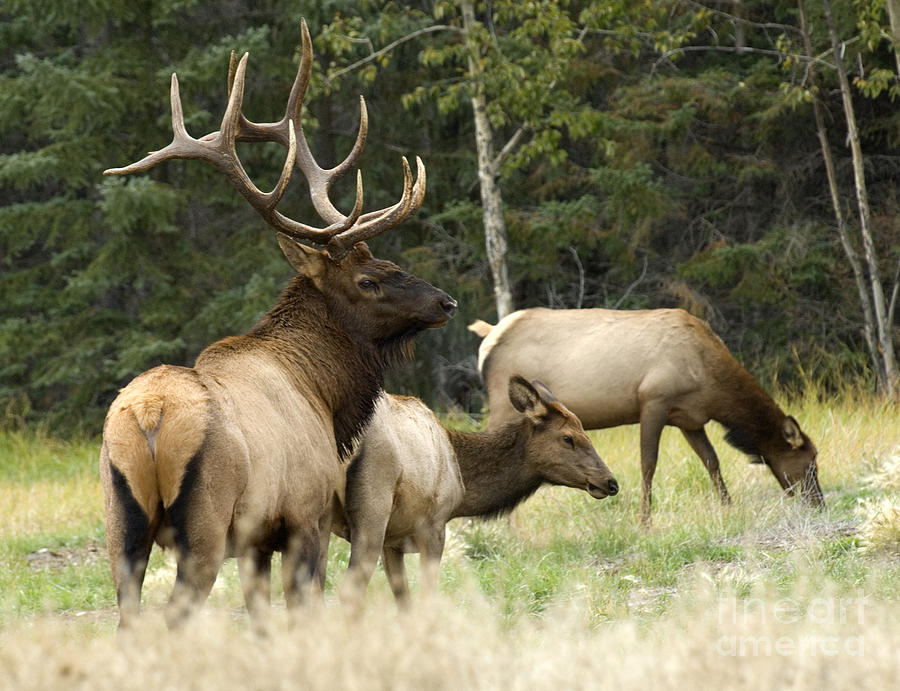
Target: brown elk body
411	475
241	455
652	367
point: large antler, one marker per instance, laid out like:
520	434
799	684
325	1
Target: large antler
219	149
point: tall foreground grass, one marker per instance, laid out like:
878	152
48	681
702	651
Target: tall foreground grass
568	592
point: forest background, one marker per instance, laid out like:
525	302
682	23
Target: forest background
646	153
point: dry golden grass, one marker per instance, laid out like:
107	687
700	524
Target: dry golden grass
567	593
706	641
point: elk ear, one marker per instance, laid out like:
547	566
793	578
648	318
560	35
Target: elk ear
790	430
361	252
527	398
305	260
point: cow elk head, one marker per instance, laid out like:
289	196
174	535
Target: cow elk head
559	448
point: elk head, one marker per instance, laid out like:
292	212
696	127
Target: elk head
791	456
366	280
374	300
559	449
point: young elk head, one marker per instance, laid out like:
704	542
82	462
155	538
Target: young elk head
374	300
792	459
558	449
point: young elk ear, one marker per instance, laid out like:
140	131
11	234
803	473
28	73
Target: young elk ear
530	398
305	260
790	430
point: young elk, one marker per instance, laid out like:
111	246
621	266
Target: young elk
653	367
241	454
411	475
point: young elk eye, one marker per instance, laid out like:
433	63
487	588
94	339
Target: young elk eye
367	284
567	439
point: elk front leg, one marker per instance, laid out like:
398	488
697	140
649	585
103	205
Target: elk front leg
366	542
255	571
704	449
431	549
300	566
395	570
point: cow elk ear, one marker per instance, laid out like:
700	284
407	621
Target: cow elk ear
527	398
790	430
305	260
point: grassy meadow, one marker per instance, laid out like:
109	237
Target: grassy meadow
567	592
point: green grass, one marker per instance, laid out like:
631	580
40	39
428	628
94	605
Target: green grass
561	551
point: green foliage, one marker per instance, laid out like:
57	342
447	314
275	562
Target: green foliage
651	172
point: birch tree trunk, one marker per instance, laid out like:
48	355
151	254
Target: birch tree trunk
893	8
488	174
869	327
884	335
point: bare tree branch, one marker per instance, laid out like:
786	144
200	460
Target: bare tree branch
746	22
508	148
745	50
893	304
388	48
633	285
577	259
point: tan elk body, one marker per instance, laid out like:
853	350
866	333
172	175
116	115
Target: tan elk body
241	454
652	367
411	475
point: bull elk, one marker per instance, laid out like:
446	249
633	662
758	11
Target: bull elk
411	475
241	454
653	367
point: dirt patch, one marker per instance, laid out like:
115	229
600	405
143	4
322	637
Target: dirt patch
55	558
787	537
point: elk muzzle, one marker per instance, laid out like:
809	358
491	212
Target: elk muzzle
609	488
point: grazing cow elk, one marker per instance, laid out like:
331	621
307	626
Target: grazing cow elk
241	454
411	475
653	367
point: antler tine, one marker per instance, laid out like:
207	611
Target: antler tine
374	223
175	149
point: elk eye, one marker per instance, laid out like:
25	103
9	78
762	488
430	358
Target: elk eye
367	284
568	440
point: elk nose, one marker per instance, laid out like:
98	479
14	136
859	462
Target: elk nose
612	487
449	305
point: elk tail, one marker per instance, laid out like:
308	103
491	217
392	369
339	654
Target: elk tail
482	328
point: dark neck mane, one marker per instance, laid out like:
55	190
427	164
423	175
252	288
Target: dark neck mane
493	469
749	414
326	359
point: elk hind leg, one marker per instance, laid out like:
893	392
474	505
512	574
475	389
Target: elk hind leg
199	562
704	449
653	419
199	529
129	539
